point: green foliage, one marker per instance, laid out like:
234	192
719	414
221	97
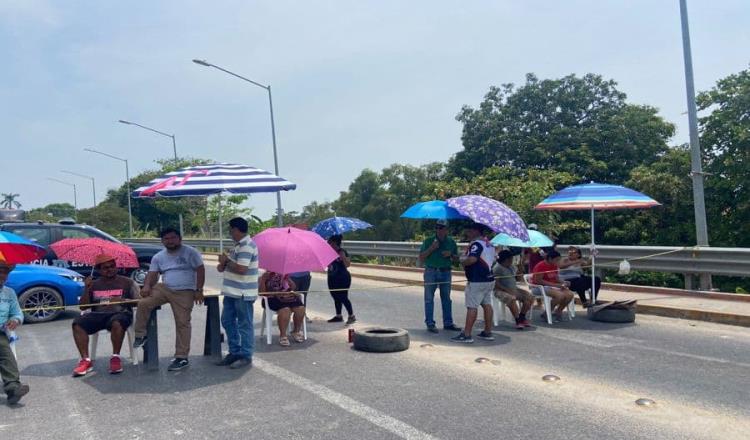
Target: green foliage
579	125
108	217
725	140
51	213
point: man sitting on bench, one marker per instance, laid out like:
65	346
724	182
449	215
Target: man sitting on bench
106	292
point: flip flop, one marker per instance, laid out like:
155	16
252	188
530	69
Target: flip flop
284	342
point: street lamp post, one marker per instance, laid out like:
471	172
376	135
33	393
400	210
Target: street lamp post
93	185
127	181
699	203
75	192
174	149
279	211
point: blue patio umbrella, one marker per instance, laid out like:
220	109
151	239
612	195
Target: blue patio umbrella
338	226
434	209
536	240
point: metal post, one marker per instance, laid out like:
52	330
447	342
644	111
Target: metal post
701	229
130	207
221	230
279	211
593	260
75	199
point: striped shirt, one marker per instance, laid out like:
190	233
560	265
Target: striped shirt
235	285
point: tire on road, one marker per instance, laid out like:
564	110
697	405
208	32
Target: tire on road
614	315
381	339
39	298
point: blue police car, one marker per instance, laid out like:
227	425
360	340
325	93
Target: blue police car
41	288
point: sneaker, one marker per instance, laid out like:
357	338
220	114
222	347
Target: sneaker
139	342
338	318
228	360
115	365
178	364
525	323
487	336
453	327
84	366
432	329
461	337
557	317
15	396
241	363
518	325
351	319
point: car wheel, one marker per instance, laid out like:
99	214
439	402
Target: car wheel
139	275
381	340
40	304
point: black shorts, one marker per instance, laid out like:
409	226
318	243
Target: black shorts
276	304
94	322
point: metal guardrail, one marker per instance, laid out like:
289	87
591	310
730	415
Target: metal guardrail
689	261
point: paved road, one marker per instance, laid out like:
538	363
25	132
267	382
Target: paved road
697	373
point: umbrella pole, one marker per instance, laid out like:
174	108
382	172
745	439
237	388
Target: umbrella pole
221	231
593	260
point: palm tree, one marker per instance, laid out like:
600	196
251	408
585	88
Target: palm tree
9	201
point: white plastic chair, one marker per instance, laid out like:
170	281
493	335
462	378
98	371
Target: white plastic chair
268	320
130	335
500	311
533	288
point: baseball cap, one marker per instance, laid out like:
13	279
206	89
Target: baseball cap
442	222
103	258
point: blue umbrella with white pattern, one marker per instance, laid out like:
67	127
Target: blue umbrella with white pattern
338	226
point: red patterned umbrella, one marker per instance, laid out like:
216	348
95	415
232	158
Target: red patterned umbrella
85	250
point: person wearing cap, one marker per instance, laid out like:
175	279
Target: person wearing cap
101	310
438	254
477	263
11	317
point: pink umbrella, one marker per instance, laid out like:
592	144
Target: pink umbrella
288	250
85	250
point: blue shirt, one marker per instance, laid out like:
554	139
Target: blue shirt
480	271
9	307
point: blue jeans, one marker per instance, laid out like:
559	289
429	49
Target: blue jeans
237	320
431	278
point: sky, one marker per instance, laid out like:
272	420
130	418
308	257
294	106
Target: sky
356	84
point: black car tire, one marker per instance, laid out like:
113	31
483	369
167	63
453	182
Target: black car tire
614	315
381	339
41	296
139	275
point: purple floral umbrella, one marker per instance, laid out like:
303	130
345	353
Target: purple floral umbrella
491	213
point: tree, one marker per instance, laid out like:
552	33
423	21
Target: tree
725	139
52	212
9	201
107	216
521	191
381	198
580	125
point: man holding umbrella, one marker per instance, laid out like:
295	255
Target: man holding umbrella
477	263
438	254
100	312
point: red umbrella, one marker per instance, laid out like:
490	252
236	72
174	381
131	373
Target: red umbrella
85	250
15	249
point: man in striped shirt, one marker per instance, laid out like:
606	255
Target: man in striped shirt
240	289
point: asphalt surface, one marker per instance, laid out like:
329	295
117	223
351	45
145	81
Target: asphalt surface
696	372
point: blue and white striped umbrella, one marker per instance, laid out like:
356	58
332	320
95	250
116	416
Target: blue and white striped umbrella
339	225
204	180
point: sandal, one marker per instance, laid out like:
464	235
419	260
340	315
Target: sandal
284	341
298	337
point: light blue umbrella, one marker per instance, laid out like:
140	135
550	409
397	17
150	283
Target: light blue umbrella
434	209
536	240
339	225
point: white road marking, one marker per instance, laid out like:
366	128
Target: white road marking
372	415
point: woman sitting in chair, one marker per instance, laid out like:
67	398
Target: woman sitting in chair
284	304
571	270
